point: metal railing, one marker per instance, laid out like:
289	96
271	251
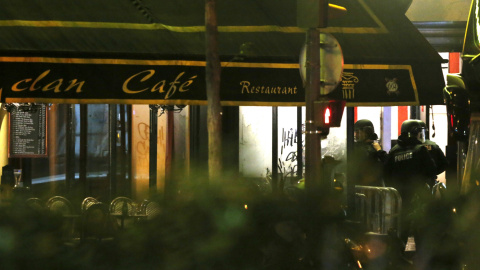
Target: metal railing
378	208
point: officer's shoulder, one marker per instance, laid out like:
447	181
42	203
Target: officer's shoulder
395	148
428	142
422	147
431	145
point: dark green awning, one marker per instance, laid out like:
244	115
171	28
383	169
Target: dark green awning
104	43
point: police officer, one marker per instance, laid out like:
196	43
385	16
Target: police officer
410	169
435	152
366	165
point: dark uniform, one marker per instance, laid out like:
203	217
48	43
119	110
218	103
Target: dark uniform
367	167
435	152
409	169
366	164
437	155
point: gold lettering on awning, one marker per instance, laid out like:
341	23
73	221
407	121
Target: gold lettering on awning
44	84
267	90
348	85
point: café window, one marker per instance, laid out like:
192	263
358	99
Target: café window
53	167
255	150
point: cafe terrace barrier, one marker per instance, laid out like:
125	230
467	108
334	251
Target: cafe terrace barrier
378	208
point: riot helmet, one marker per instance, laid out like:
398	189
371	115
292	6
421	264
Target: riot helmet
413	128
364	130
424	126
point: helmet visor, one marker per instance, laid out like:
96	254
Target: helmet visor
421	135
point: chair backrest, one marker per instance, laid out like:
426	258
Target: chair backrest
150	208
87	202
117	206
96	222
35	203
60	205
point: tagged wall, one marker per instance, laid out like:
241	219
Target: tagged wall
141	148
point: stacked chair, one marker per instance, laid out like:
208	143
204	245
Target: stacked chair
96	221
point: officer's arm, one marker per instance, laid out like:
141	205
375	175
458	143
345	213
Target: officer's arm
440	159
381	155
429	166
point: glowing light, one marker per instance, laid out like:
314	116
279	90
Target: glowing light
359	265
246	206
327	116
454	210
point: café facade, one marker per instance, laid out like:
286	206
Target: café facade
124	86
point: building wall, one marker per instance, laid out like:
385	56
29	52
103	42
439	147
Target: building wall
141	154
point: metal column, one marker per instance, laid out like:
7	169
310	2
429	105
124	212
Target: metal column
152	183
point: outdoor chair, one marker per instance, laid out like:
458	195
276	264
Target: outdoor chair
35	204
150	209
97	224
120	204
87	202
60	205
124	210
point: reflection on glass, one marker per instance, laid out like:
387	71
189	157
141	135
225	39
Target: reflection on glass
18	177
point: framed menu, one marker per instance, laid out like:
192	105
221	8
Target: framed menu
27	131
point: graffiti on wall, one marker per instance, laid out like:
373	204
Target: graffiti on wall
142	146
288	155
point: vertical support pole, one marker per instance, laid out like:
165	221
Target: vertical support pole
129	150
212	69
70	148
414	112
112	134
53	128
299	144
122	154
351	213
83	150
313	162
169	159
427	121
275	174
152	183
312	93
386	136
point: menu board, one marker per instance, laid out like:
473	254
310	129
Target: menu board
27	133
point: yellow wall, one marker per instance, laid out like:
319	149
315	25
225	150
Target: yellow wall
140	151
3	138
